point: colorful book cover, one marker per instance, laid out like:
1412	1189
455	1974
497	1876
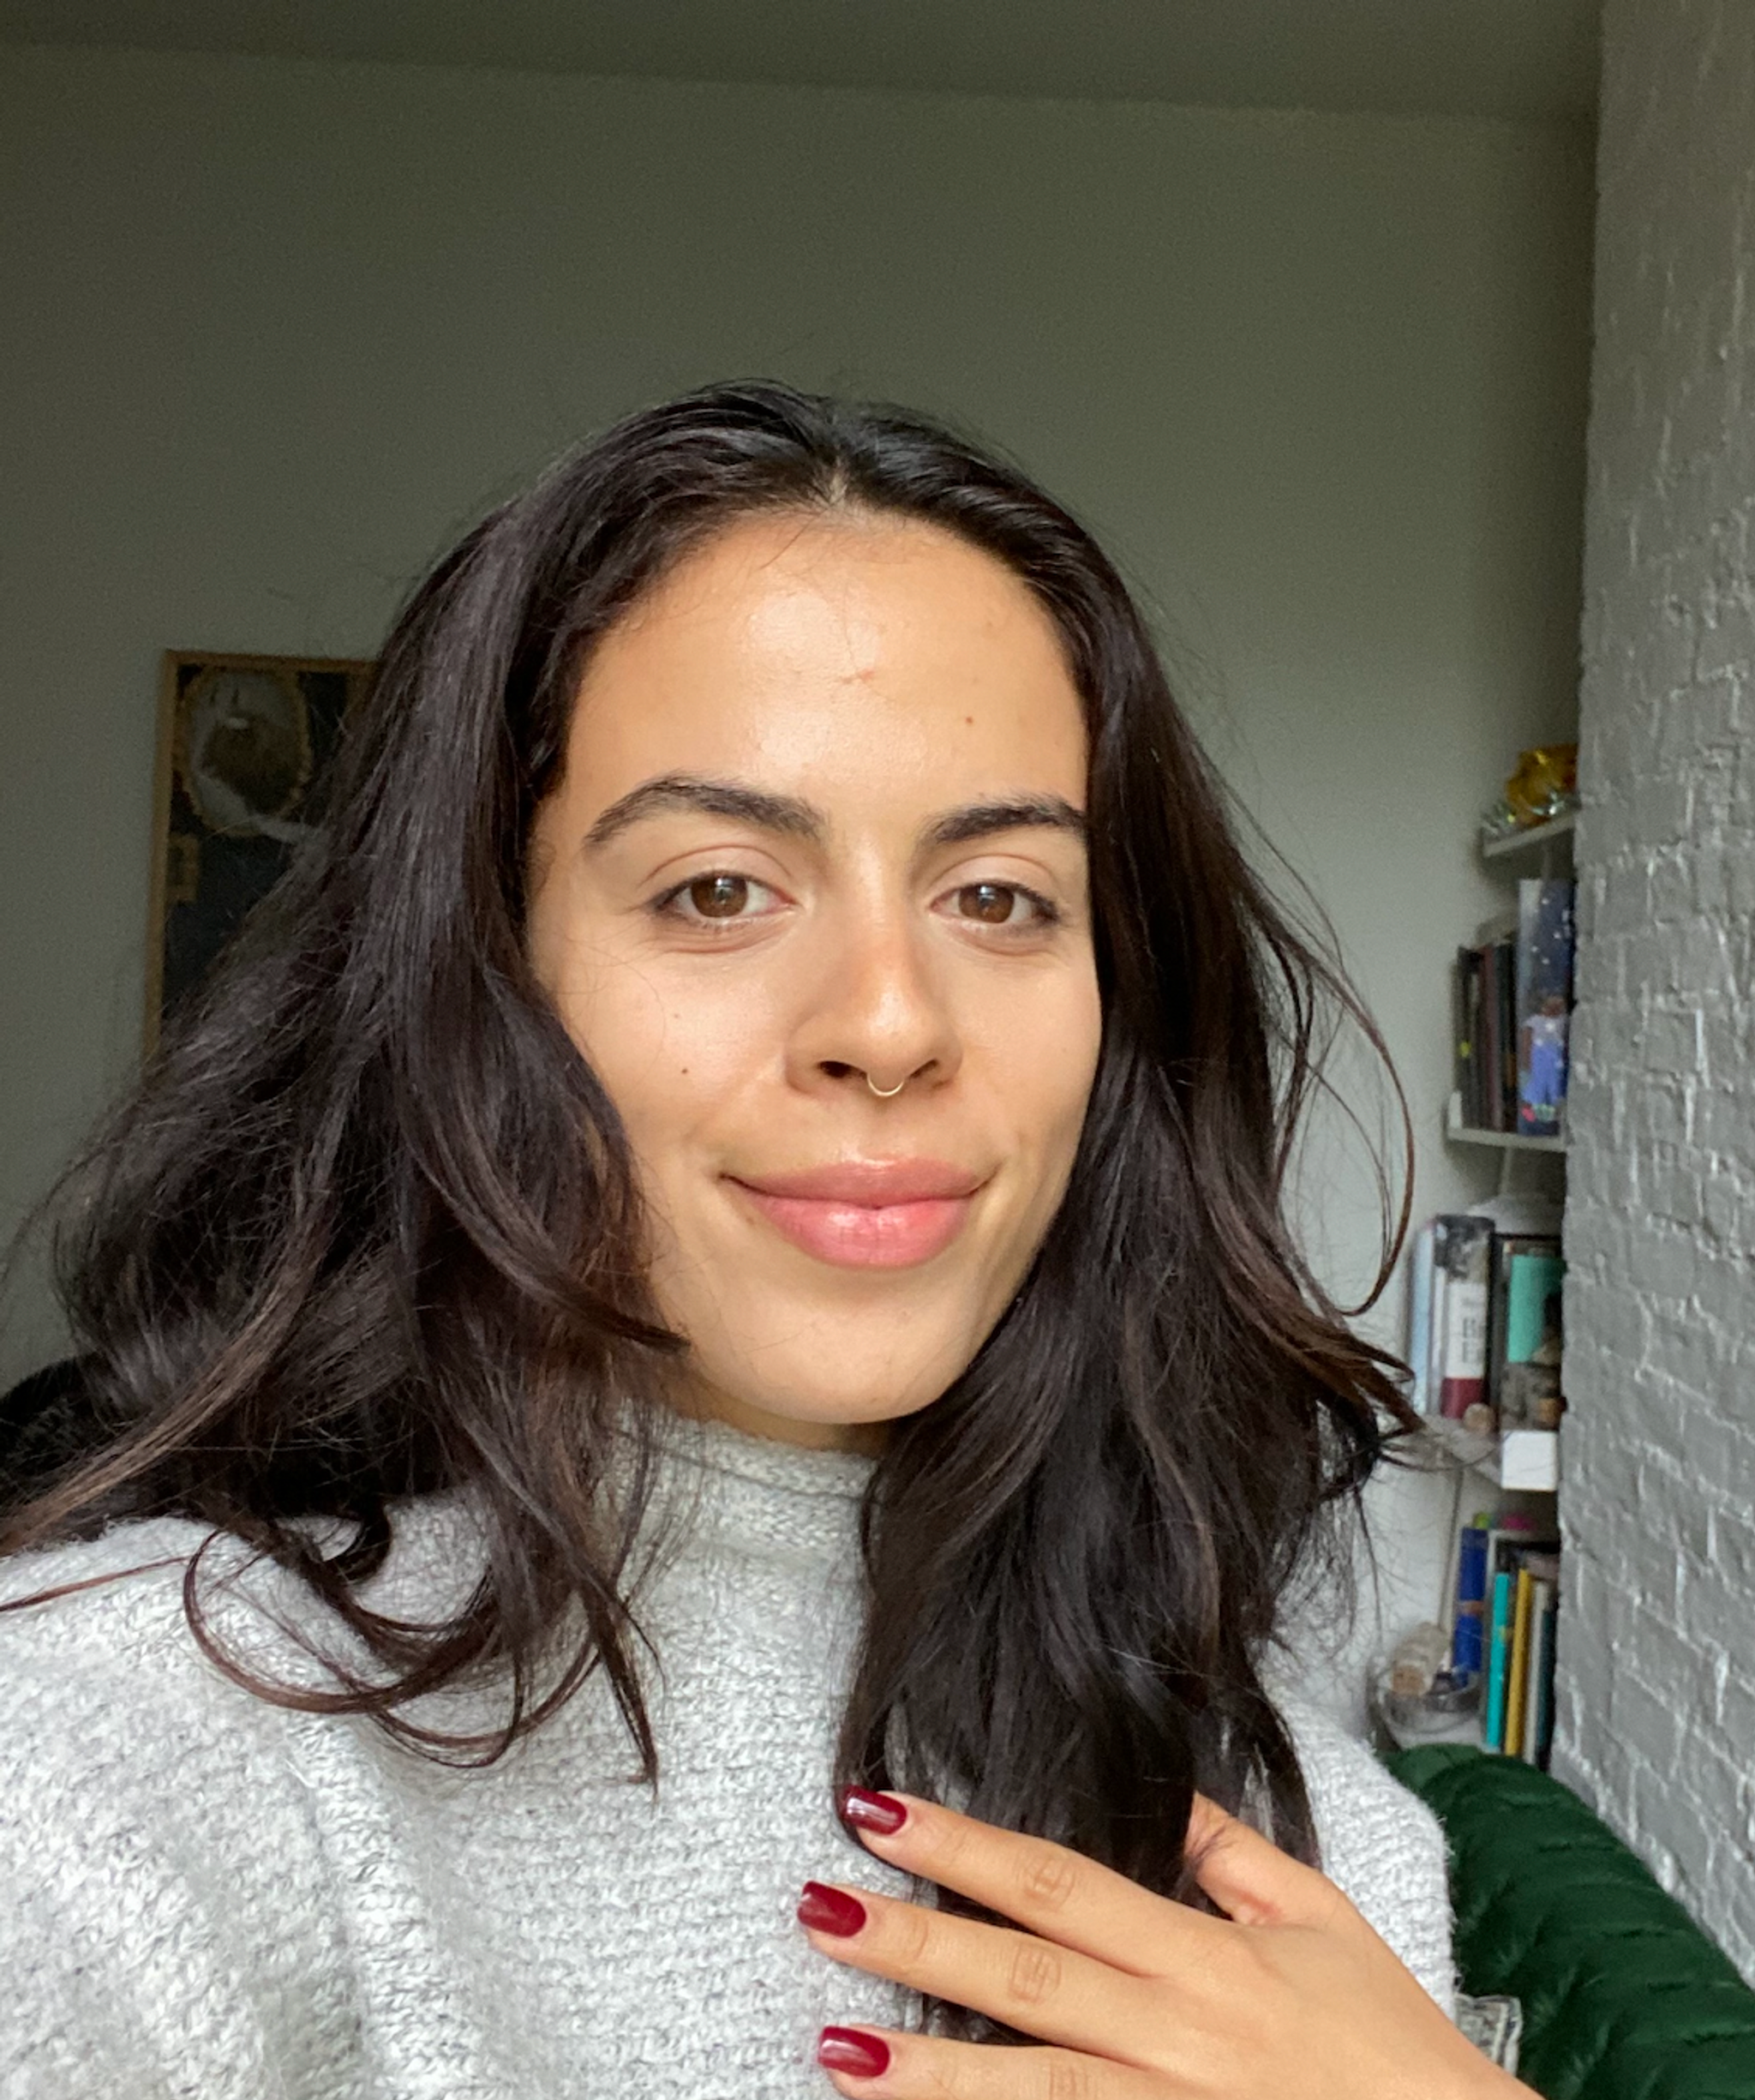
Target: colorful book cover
1544	1000
1516	1669
1467	1256
1467	1641
1499	1653
1524	1373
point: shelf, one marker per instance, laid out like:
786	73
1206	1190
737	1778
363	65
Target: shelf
1502	1141
1523	1461
1535	835
1455	1728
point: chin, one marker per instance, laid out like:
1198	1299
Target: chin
810	1394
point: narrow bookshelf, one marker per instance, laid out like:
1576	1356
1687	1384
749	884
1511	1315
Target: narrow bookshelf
1485	1328
1503	1141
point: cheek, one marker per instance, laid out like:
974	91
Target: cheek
1053	1061
670	1062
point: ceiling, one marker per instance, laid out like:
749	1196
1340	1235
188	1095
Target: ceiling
1512	59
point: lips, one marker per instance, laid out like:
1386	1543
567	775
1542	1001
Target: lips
867	1214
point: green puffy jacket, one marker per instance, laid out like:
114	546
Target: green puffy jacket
1624	1997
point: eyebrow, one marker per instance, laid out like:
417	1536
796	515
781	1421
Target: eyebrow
796	819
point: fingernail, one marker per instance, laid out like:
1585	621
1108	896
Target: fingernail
830	1910
863	2055
861	1809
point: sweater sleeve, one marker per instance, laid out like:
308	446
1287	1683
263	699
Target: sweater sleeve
1382	1846
156	1936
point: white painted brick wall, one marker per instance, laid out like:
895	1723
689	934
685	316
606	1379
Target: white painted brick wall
1657	1720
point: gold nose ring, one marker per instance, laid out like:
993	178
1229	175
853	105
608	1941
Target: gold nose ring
885	1094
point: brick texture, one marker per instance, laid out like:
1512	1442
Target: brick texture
1657	1718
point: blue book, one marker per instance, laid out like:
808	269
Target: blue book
1467	1652
1499	1656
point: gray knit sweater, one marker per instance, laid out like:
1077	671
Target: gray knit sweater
203	1894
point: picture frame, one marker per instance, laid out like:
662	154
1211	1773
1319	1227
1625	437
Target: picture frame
245	743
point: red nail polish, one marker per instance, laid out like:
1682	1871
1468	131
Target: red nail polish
861	1809
830	1910
843	2048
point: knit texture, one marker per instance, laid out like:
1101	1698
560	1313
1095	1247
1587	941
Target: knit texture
207	1894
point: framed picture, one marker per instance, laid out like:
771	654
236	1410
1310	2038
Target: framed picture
245	745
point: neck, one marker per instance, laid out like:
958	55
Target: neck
702	1402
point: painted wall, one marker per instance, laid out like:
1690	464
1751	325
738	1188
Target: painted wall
273	330
1657	1710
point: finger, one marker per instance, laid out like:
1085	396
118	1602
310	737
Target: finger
1249	1875
1029	1984
1049	1888
923	2068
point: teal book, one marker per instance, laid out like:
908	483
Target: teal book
1499	1656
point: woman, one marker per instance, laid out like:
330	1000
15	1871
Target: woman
722	1232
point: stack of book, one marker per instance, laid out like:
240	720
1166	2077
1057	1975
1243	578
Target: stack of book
1506	1618
1484	1324
1512	1000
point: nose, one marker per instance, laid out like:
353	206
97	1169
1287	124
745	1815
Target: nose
880	1014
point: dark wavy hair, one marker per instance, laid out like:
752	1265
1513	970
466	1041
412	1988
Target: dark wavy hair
368	1227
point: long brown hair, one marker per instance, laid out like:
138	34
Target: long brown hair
369	1228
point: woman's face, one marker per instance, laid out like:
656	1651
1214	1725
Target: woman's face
819	824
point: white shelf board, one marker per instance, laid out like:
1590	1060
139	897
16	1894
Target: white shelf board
1458	1728
1535	835
1525	1460
1501	1141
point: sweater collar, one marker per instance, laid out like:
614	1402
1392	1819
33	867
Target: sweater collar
735	1494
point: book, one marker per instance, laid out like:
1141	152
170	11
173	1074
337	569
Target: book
1420	1320
1489	1038
1538	1725
1499	1649
1460	1044
1545	946
1516	1665
1465	1009
1524	1374
1464	1251
1435	1314
1468	1647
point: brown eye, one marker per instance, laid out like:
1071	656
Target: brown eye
989	902
718	896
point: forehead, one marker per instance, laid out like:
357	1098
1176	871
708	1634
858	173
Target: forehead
850	653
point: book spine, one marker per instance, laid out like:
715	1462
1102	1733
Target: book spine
1506	1069
1491	1118
1498	1651
1420	1320
1468	1262
1538	1724
1516	1669
1461	1050
1435	1313
1467	1643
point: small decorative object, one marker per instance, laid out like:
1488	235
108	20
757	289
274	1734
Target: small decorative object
1544	786
1418	1656
1413	1692
1494	2025
244	743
